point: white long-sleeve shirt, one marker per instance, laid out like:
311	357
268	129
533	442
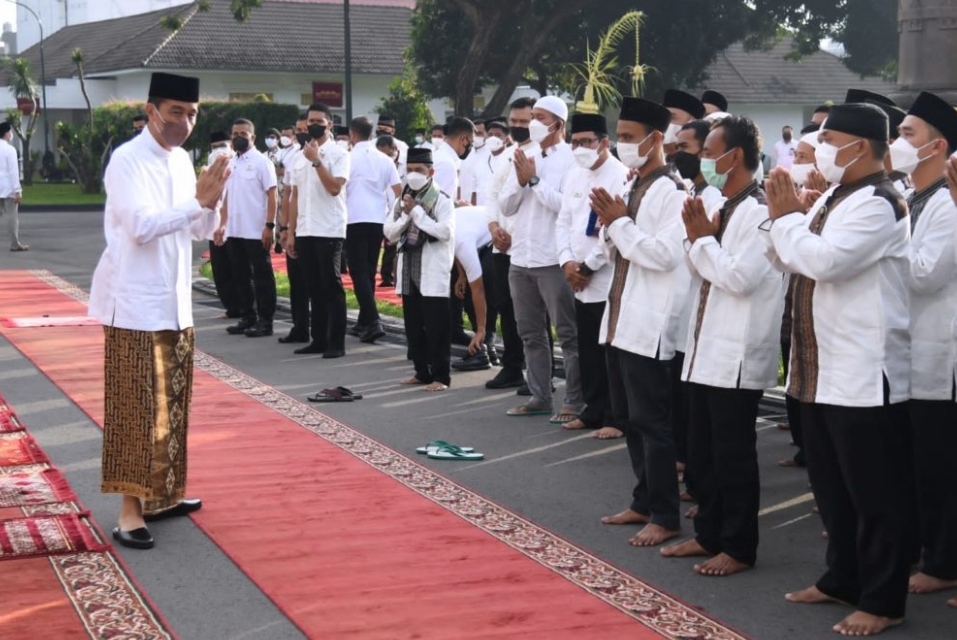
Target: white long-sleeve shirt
447	166
502	169
859	311
933	299
656	287
9	170
737	343
535	209
572	242
144	278
437	256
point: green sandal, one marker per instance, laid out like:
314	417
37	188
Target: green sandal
527	410
438	444
452	452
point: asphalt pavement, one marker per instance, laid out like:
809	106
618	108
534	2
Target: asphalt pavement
564	481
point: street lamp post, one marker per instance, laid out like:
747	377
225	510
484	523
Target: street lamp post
348	52
43	78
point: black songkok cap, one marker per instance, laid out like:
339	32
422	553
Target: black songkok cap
386	120
589	122
681	100
715	98
5	128
173	87
938	114
858	119
218	136
419	155
862	95
811	128
895	116
340	130
646	112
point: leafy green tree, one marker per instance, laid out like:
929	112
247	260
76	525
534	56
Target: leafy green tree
23	85
406	103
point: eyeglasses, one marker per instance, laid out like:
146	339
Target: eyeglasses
584	142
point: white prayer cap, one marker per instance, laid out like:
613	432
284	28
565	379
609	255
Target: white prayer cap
717	115
553	105
810	139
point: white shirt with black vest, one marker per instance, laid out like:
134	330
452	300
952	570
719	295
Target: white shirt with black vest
437	255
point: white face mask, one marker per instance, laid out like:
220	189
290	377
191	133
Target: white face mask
417	181
479	142
586	158
343	144
800	172
494	144
629	155
285	141
538	131
826	156
436	142
905	157
419	139
271	143
671	135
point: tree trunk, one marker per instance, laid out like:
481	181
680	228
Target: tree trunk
27	161
474	62
527	51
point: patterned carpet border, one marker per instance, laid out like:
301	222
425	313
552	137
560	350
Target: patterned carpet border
653	608
109	605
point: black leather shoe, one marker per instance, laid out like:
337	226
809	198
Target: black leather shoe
505	379
184	508
333	353
478	362
386	283
372	334
493	358
136	539
259	330
240	327
357	330
293	337
310	348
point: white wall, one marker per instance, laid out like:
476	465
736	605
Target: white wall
56	14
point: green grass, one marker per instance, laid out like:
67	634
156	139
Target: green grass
282	290
59	193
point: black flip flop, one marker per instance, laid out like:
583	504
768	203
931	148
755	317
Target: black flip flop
339	394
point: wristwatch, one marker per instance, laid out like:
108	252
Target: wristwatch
533	181
317	162
270	225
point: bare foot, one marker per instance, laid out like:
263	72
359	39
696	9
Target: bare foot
787	462
680	467
131	514
784	426
437	386
952	603
687	549
721	565
626	517
811	595
652	536
692	512
574	424
608	433
860	623
412	380
923	583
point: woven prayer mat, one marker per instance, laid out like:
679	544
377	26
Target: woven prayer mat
47	535
30	488
48	321
20	448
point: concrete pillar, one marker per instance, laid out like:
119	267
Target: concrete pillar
928	49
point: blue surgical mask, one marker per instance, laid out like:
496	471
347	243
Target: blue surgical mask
709	170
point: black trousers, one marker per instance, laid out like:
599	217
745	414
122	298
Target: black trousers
594	371
321	260
253	278
640	388
363	240
513	356
722	450
298	297
223	279
857	459
793	408
428	332
934	438
387	270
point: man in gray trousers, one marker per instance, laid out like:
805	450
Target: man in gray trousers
10	191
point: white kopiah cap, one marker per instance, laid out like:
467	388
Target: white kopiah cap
554	105
810	139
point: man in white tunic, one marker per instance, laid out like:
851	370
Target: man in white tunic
850	362
732	349
141	292
585	264
928	134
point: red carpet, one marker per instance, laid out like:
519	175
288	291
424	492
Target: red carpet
59	579
349	538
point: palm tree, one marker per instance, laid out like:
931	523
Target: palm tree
22	85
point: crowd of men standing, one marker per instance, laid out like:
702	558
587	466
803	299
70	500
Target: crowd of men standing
672	275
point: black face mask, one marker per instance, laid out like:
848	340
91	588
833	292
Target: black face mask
687	164
787	137
302	139
316	131
465	154
382	132
240	144
519	134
